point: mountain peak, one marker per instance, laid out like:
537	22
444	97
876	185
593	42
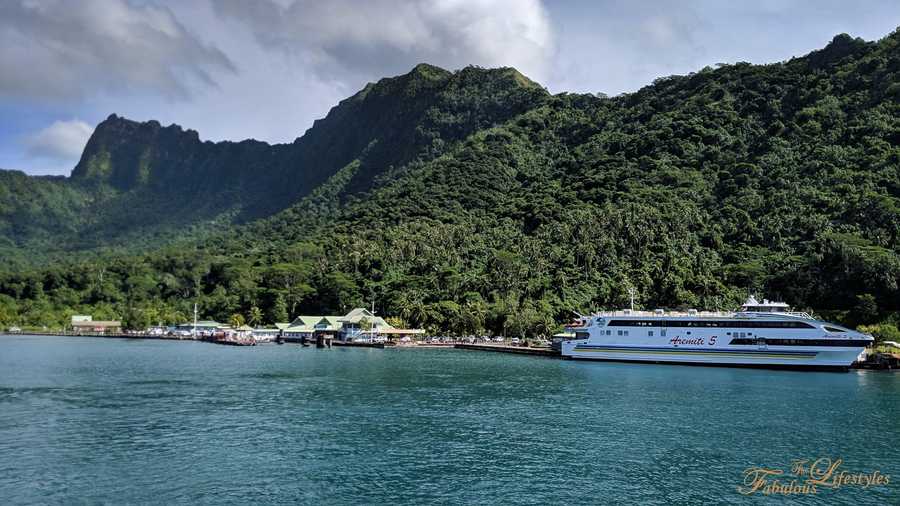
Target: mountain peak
840	47
120	150
425	76
429	71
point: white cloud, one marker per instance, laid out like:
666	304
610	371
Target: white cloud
62	140
267	68
63	49
293	65
347	40
616	46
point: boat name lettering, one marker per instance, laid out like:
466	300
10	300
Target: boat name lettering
675	341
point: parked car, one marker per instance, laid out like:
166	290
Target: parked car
15	329
515	341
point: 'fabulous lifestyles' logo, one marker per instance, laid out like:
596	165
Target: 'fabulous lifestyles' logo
808	477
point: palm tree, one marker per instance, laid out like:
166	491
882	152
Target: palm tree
474	313
236	320
255	316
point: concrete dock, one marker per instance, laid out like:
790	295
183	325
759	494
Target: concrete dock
350	344
520	350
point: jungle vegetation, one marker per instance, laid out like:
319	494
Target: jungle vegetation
474	202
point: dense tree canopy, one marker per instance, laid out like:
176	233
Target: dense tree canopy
475	202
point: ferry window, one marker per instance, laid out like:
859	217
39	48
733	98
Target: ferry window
833	329
689	332
620	332
626	332
650	333
662	332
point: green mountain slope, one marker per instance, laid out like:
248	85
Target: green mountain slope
139	185
34	206
778	178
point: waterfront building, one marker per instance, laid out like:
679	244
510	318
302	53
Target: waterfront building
86	323
359	325
304	327
203	328
266	334
243	331
328	326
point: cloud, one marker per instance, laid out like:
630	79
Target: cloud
344	40
64	49
62	140
233	69
616	46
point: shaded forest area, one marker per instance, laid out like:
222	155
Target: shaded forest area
475	202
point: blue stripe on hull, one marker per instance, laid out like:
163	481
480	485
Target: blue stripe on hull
651	349
827	358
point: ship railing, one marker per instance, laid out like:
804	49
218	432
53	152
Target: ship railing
795	314
701	314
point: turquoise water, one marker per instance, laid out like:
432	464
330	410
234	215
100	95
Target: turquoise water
129	421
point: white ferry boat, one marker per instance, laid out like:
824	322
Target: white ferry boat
762	334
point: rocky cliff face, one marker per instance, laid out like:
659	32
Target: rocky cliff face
142	176
128	155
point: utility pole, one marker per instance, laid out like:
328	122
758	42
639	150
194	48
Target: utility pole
632	291
372	327
194	330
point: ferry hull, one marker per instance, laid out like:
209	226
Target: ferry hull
838	359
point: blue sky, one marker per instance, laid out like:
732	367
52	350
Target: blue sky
235	69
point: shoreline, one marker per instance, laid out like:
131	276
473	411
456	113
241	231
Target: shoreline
878	362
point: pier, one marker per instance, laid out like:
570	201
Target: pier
231	342
879	361
320	340
350	344
519	350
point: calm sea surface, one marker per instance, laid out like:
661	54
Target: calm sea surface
89	420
